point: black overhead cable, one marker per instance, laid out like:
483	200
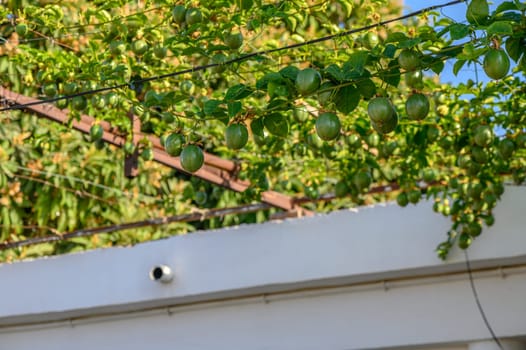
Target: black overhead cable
479	305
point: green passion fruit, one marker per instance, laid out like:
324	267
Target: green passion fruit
96	132
414	196
193	16
173	144
70	88
417	106
372	140
219	59
414	79
187	87
506	148
179	14
371	40
362	180
147	154
139	47
380	110
117	48
408	60
464	240
496	64
236	136
50	89
234	40
307	81
63	103
341	189
328	126
402	199
79	103
160	51
384	118
483	136
386	127
479	155
192	158
21	29
98	101
201	198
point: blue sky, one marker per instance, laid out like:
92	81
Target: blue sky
458	13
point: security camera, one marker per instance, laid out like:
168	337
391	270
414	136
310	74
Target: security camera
161	273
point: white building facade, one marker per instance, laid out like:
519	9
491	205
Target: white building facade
365	279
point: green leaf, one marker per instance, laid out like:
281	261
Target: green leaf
450	51
335	73
257	127
289	72
234	107
366	87
458	31
506	6
347	99
396	37
404	44
237	92
348	6
191	50
213	48
444	22
392	75
469	52
458	66
213	108
262	83
521	6
278	104
389	51
500	28
437	67
356	62
514	48
276	124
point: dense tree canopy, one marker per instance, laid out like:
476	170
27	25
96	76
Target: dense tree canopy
320	100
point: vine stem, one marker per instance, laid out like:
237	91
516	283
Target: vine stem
238	59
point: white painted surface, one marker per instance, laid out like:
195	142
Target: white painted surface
343	248
412	315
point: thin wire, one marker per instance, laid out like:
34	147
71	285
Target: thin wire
196	216
117	19
479	305
80	34
77	179
235	60
71	190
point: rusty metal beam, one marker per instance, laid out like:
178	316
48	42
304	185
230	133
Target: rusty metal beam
131	161
215	170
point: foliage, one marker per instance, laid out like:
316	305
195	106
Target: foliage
458	148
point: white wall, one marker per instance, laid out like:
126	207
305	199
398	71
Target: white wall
312	283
